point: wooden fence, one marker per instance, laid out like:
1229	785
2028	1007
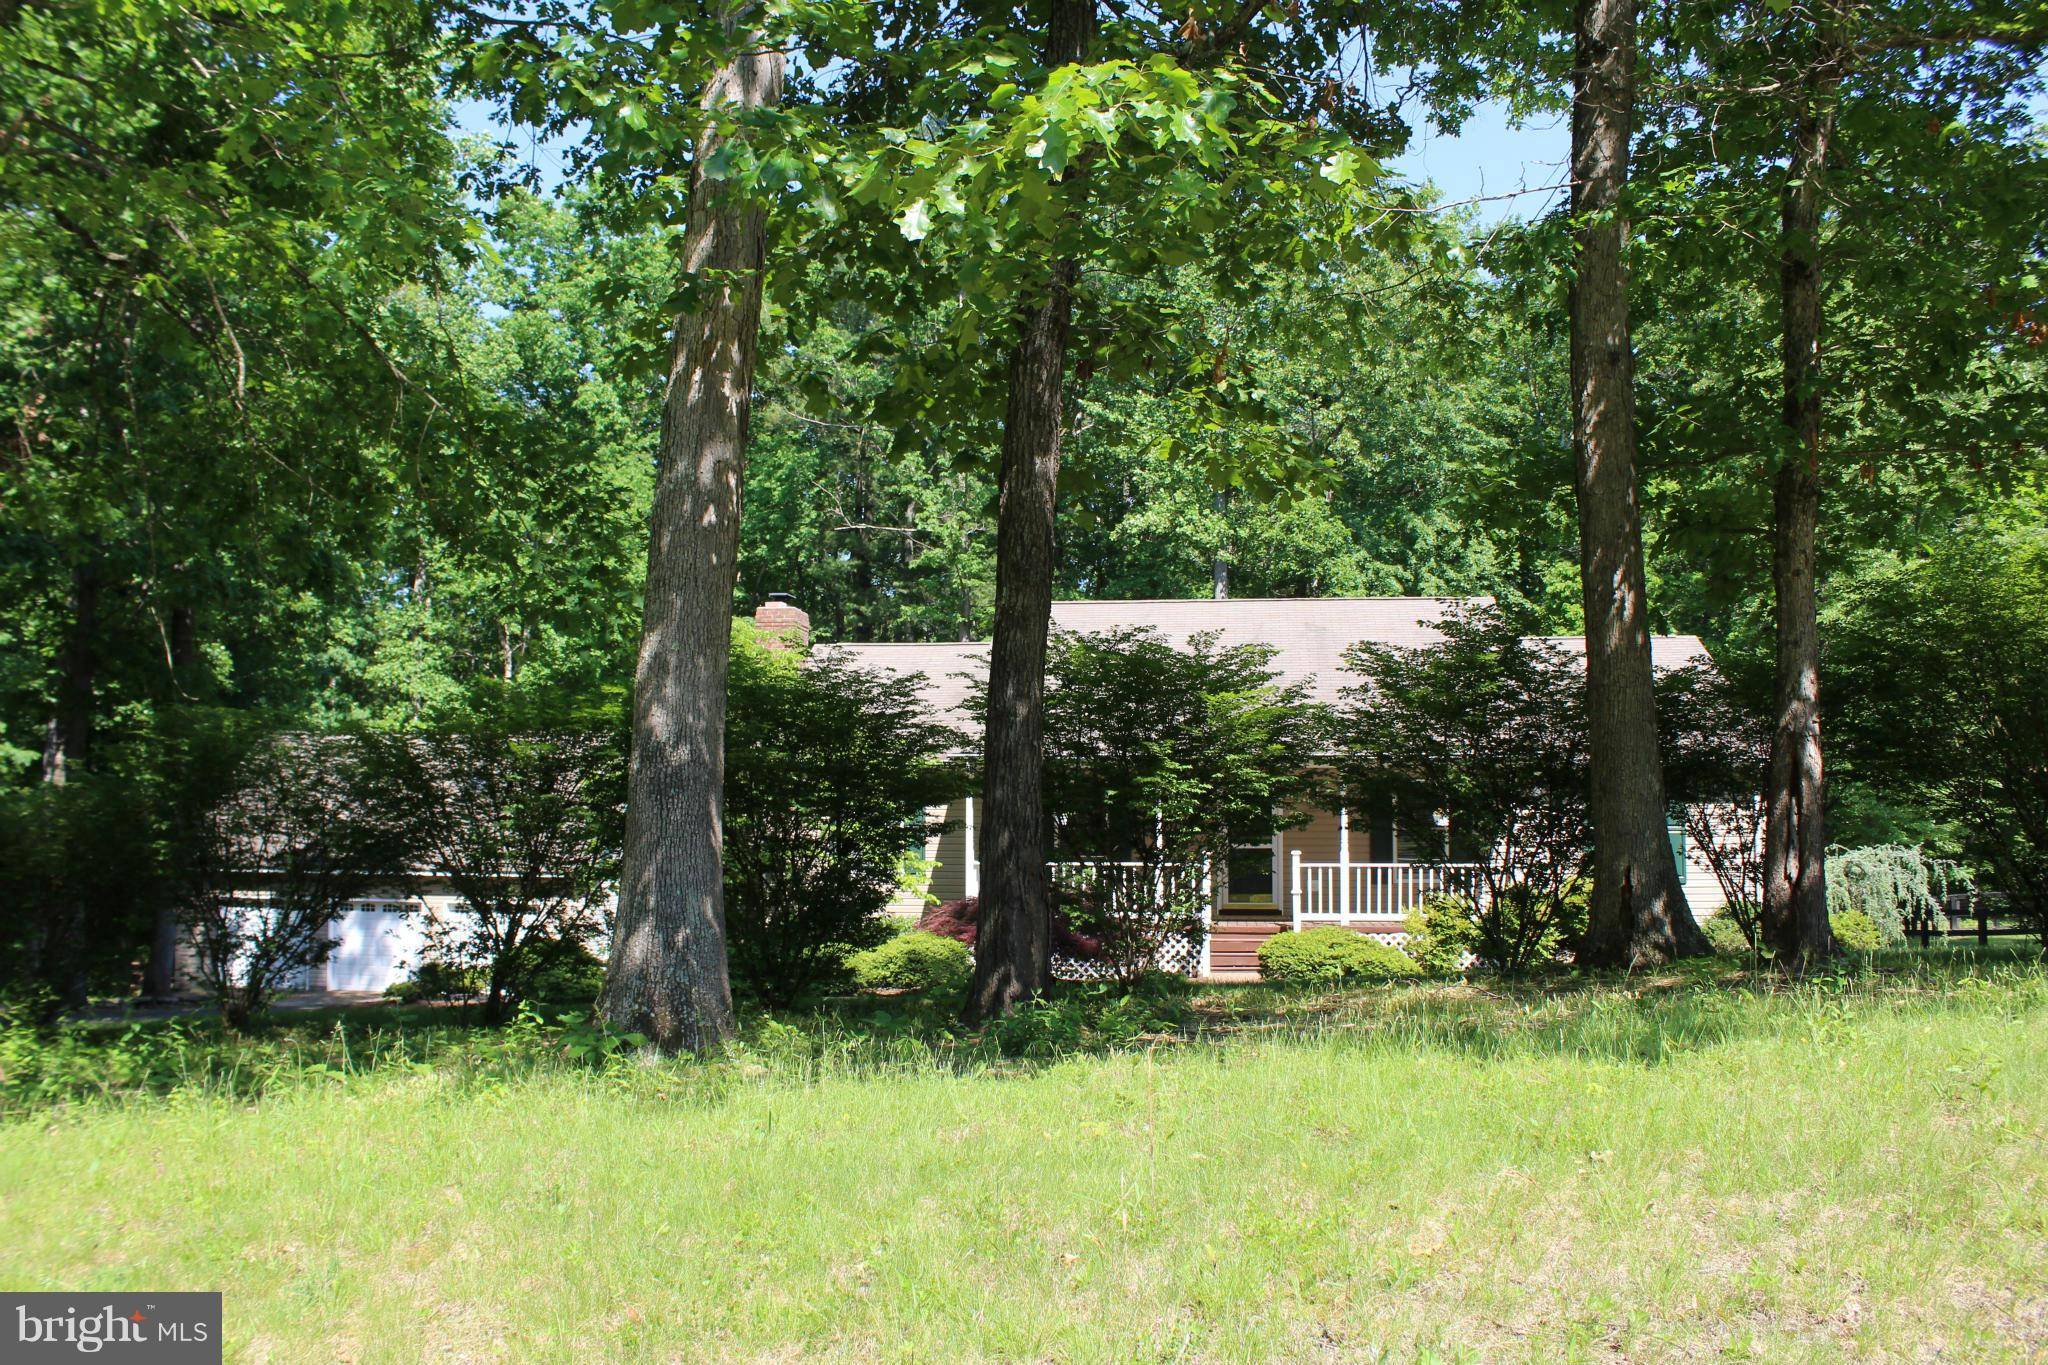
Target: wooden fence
1975	917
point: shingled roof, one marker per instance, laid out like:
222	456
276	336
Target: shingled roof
1309	635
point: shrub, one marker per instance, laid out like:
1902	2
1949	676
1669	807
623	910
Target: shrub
1442	931
1887	883
1726	936
520	807
1102	1014
916	961
1855	931
830	771
1328	955
437	981
1523	928
569	974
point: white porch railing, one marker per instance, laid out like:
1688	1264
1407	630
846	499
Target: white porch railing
1078	876
1340	893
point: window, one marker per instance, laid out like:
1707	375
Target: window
1676	832
1251	873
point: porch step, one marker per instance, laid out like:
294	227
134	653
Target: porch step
1234	946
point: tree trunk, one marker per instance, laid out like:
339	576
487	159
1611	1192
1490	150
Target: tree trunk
57	951
494	1009
667	976
184	651
1638	913
1795	830
1013	941
67	741
160	974
1219	567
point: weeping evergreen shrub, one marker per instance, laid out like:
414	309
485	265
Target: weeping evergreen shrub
1887	883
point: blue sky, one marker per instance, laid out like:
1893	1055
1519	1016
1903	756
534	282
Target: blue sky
1487	157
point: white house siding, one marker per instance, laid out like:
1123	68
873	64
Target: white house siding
1702	888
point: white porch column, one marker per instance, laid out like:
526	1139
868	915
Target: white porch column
971	867
1294	886
1343	860
1208	913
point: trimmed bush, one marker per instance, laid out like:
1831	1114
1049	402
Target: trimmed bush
916	961
1855	931
1329	955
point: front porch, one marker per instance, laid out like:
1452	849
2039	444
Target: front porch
1369	898
1301	878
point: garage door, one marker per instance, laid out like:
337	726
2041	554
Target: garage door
376	943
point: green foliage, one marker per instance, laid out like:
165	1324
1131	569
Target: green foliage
81	869
1483	729
1442	934
214	340
1736	928
1941	704
433	980
1328	956
1888	884
584	1038
914	961
521	810
1513	932
1158	753
1093	1016
1726	935
830	773
1856	931
566	974
1426	418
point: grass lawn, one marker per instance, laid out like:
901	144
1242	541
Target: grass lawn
1701	1166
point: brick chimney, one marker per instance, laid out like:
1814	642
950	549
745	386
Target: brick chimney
783	624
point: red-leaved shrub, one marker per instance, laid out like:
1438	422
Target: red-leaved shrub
960	919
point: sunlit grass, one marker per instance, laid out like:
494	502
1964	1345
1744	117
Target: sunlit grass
1695	1165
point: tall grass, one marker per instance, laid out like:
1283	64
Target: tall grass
1700	1164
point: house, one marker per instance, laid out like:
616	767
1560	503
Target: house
1340	868
379	940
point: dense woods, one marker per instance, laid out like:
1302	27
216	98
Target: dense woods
323	412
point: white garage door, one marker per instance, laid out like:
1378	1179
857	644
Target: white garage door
376	943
